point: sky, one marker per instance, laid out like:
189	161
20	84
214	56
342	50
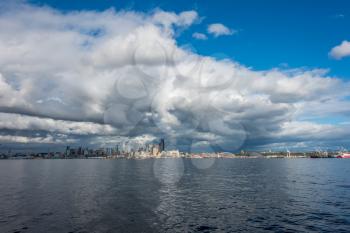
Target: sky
270	33
204	75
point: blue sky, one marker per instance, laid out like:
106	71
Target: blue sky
271	33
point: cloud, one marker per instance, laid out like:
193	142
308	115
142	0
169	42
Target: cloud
168	19
199	36
33	140
340	51
23	122
218	29
338	16
100	78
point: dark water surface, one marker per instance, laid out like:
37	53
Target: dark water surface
175	195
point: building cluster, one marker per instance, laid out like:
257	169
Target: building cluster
123	150
157	150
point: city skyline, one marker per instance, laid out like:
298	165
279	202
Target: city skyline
102	73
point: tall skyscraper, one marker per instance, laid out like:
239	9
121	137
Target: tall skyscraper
161	145
79	151
67	150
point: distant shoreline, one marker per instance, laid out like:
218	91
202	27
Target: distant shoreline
150	158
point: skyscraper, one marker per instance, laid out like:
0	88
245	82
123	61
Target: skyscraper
67	151
161	145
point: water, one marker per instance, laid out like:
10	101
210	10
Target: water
175	195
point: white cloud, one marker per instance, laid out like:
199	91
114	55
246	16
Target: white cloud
218	29
22	122
340	51
167	19
92	76
199	36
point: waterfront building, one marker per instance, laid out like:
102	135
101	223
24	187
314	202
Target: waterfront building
67	151
173	153
80	152
155	150
161	145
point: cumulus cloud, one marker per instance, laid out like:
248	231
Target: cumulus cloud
218	29
101	78
340	51
199	36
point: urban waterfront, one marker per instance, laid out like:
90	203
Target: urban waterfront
158	150
175	195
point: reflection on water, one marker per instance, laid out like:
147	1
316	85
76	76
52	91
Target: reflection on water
168	170
175	195
203	163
